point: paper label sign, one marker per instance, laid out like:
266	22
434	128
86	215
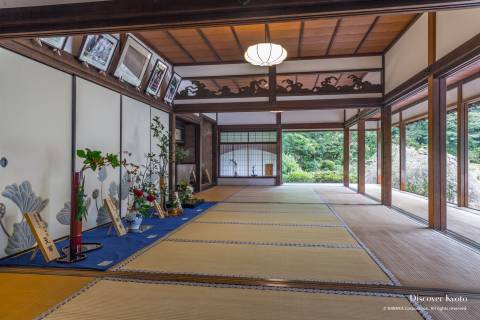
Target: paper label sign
116	221
44	240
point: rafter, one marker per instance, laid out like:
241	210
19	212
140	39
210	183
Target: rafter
185	51
332	38
209	44
300	38
237	40
374	23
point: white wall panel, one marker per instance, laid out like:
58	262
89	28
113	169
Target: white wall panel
312	116
98	128
233	118
456	27
408	56
35	121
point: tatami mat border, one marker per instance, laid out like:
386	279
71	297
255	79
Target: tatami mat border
421	310
389	274
275	244
321	225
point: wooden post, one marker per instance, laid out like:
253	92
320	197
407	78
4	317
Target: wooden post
199	155
386	184
379	154
462	149
172	166
215	154
403	154
272	85
361	156
346	157
437	153
278	179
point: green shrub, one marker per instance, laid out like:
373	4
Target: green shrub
299	176
327	177
327	165
289	164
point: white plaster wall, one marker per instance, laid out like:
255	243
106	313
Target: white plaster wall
35	122
471	89
312	116
234	118
135	135
98	128
408	56
456	27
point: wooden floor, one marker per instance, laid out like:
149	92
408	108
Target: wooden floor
303	251
464	222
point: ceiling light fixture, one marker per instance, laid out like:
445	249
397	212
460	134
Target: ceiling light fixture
265	54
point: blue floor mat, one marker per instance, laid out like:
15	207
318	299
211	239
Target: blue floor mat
115	249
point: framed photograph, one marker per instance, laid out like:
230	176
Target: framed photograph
55	42
172	88
156	78
133	62
98	50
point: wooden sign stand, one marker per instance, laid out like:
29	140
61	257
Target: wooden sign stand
44	240
116	221
158	208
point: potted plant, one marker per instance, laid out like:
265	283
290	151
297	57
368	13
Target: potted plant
93	160
176	208
160	161
185	193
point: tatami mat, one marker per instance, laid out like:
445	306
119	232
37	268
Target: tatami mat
24	296
260	261
218	193
270	218
282	194
344	198
264	233
109	299
272	207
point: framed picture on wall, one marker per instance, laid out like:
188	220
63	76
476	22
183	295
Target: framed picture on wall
55	42
156	78
98	50
133	62
172	88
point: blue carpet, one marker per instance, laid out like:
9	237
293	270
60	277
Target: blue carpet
115	249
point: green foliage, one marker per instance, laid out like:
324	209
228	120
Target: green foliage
299	176
180	154
328	177
327	165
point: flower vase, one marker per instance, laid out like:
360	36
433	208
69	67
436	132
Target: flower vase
135	222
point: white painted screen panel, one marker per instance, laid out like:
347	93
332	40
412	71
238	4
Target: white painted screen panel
237	118
313	116
35	108
455	28
408	56
135	137
98	128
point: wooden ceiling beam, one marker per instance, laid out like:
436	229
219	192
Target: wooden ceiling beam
177	43
332	38
209	45
360	44
323	104
128	16
237	40
300	38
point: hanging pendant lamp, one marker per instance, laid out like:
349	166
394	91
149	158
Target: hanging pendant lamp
265	54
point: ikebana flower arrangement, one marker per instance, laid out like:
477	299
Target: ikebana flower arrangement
186	197
93	160
159	162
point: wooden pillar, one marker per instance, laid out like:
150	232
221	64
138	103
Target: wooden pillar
437	137
361	156
437	153
403	154
199	155
215	154
172	181
346	157
272	85
462	149
379	154
278	179
386	182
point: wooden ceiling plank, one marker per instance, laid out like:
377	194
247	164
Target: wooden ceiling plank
408	26
175	40
209	45
334	34
366	34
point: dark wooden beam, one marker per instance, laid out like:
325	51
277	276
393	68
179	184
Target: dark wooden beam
322	104
407	27
128	16
272	85
403	154
300	38
278	178
437	154
199	155
346	157
360	44
215	158
284	126
362	115
172	181
462	149
209	45
332	38
361	156
386	177
237	40
178	44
